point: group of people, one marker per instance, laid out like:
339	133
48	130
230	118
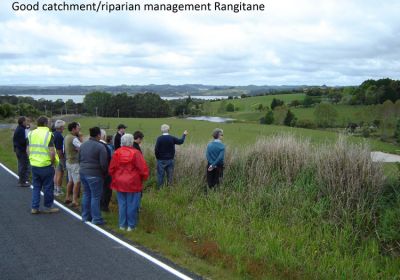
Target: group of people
101	164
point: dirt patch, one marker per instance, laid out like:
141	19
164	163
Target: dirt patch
259	269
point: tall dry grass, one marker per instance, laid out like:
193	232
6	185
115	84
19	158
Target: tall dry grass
348	177
343	173
281	157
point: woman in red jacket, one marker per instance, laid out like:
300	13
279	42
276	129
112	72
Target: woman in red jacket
128	170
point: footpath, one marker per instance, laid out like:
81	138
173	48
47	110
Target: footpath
384	157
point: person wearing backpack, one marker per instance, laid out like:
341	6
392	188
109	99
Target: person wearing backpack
128	170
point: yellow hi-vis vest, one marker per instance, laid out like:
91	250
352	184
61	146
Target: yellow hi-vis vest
39	154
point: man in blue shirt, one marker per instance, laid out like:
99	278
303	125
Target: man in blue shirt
215	157
20	143
59	145
165	153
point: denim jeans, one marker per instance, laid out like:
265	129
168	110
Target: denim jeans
43	177
92	189
164	166
128	206
24	168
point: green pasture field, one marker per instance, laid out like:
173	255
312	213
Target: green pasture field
346	114
251	103
247	109
235	134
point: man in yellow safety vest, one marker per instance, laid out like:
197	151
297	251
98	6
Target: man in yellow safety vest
42	158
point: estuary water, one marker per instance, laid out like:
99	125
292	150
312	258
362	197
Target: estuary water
79	98
211	119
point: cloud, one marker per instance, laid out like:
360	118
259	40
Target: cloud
293	42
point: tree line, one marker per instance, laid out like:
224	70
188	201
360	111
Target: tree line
102	104
368	93
11	106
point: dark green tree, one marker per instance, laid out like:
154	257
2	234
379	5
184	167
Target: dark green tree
294	103
290	119
308	101
269	117
275	103
97	103
8	110
230	107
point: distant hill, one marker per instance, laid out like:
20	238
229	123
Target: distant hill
162	90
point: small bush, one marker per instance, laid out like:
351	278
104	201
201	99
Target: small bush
306	124
230	107
365	132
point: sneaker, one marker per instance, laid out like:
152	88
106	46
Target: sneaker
51	210
121	228
130	229
35	211
58	191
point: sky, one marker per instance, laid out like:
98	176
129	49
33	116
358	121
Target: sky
293	42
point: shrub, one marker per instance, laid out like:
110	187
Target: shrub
276	103
365	131
230	107
269	117
290	119
306	124
295	103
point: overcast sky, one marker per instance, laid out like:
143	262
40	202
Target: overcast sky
294	42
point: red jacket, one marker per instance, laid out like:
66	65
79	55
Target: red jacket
128	170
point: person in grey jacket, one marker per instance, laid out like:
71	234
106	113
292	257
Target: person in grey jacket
93	164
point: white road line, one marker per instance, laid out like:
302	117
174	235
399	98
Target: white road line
116	239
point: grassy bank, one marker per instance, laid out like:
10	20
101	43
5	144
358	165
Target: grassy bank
289	208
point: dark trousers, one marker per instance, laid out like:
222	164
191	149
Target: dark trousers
43	179
106	194
214	177
164	167
24	168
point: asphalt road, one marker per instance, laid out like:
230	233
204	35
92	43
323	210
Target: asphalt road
59	246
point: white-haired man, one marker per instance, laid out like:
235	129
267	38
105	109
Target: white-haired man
165	153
